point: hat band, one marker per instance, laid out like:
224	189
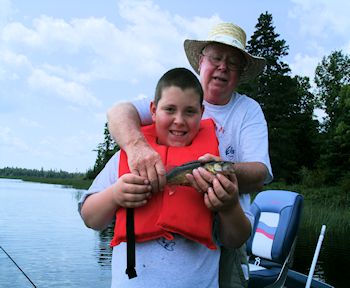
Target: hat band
227	40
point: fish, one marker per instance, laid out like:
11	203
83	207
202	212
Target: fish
176	176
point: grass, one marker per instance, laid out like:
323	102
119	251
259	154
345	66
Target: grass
322	205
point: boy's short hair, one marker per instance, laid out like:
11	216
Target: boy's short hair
178	77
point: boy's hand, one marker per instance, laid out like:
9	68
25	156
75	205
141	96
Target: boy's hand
223	194
131	191
219	191
201	179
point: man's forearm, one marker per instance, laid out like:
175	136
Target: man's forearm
251	176
124	125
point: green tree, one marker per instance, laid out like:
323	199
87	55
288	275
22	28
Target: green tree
286	101
330	76
104	151
335	161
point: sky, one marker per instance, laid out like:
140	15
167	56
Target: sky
63	63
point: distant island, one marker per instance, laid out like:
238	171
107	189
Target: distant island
75	180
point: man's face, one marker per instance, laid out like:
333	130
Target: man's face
220	67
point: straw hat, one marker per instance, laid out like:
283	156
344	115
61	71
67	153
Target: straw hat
231	35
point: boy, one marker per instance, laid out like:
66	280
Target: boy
173	232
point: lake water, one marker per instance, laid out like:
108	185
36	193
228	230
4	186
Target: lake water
40	228
42	231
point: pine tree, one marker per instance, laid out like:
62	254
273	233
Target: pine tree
286	101
104	151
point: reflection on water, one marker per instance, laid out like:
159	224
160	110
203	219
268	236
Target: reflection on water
333	259
104	250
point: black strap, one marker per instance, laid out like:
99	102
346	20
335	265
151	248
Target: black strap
130	244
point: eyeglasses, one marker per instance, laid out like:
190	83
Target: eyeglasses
232	63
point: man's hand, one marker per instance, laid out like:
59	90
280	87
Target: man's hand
146	162
124	126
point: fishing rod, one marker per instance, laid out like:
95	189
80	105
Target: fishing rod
314	260
18	266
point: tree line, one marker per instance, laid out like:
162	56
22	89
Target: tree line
302	149
14	172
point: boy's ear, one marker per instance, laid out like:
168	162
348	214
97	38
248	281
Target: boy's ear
153	109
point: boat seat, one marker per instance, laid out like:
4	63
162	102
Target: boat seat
277	216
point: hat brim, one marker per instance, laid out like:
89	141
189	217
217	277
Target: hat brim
255	65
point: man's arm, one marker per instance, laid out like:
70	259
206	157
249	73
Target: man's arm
251	176
124	126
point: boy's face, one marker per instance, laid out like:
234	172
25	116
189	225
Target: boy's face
177	116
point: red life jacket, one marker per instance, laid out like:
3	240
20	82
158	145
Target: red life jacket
183	212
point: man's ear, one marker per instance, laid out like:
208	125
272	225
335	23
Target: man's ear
153	109
200	63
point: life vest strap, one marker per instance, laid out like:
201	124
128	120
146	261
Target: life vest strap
130	244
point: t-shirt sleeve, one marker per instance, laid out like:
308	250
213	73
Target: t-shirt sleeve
103	180
143	108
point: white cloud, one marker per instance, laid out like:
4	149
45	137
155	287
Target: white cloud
148	44
322	18
68	90
8	57
304	65
198	27
47	34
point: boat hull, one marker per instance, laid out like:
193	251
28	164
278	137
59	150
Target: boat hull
298	280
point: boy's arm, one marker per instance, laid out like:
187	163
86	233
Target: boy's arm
124	125
223	198
221	194
99	209
130	191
